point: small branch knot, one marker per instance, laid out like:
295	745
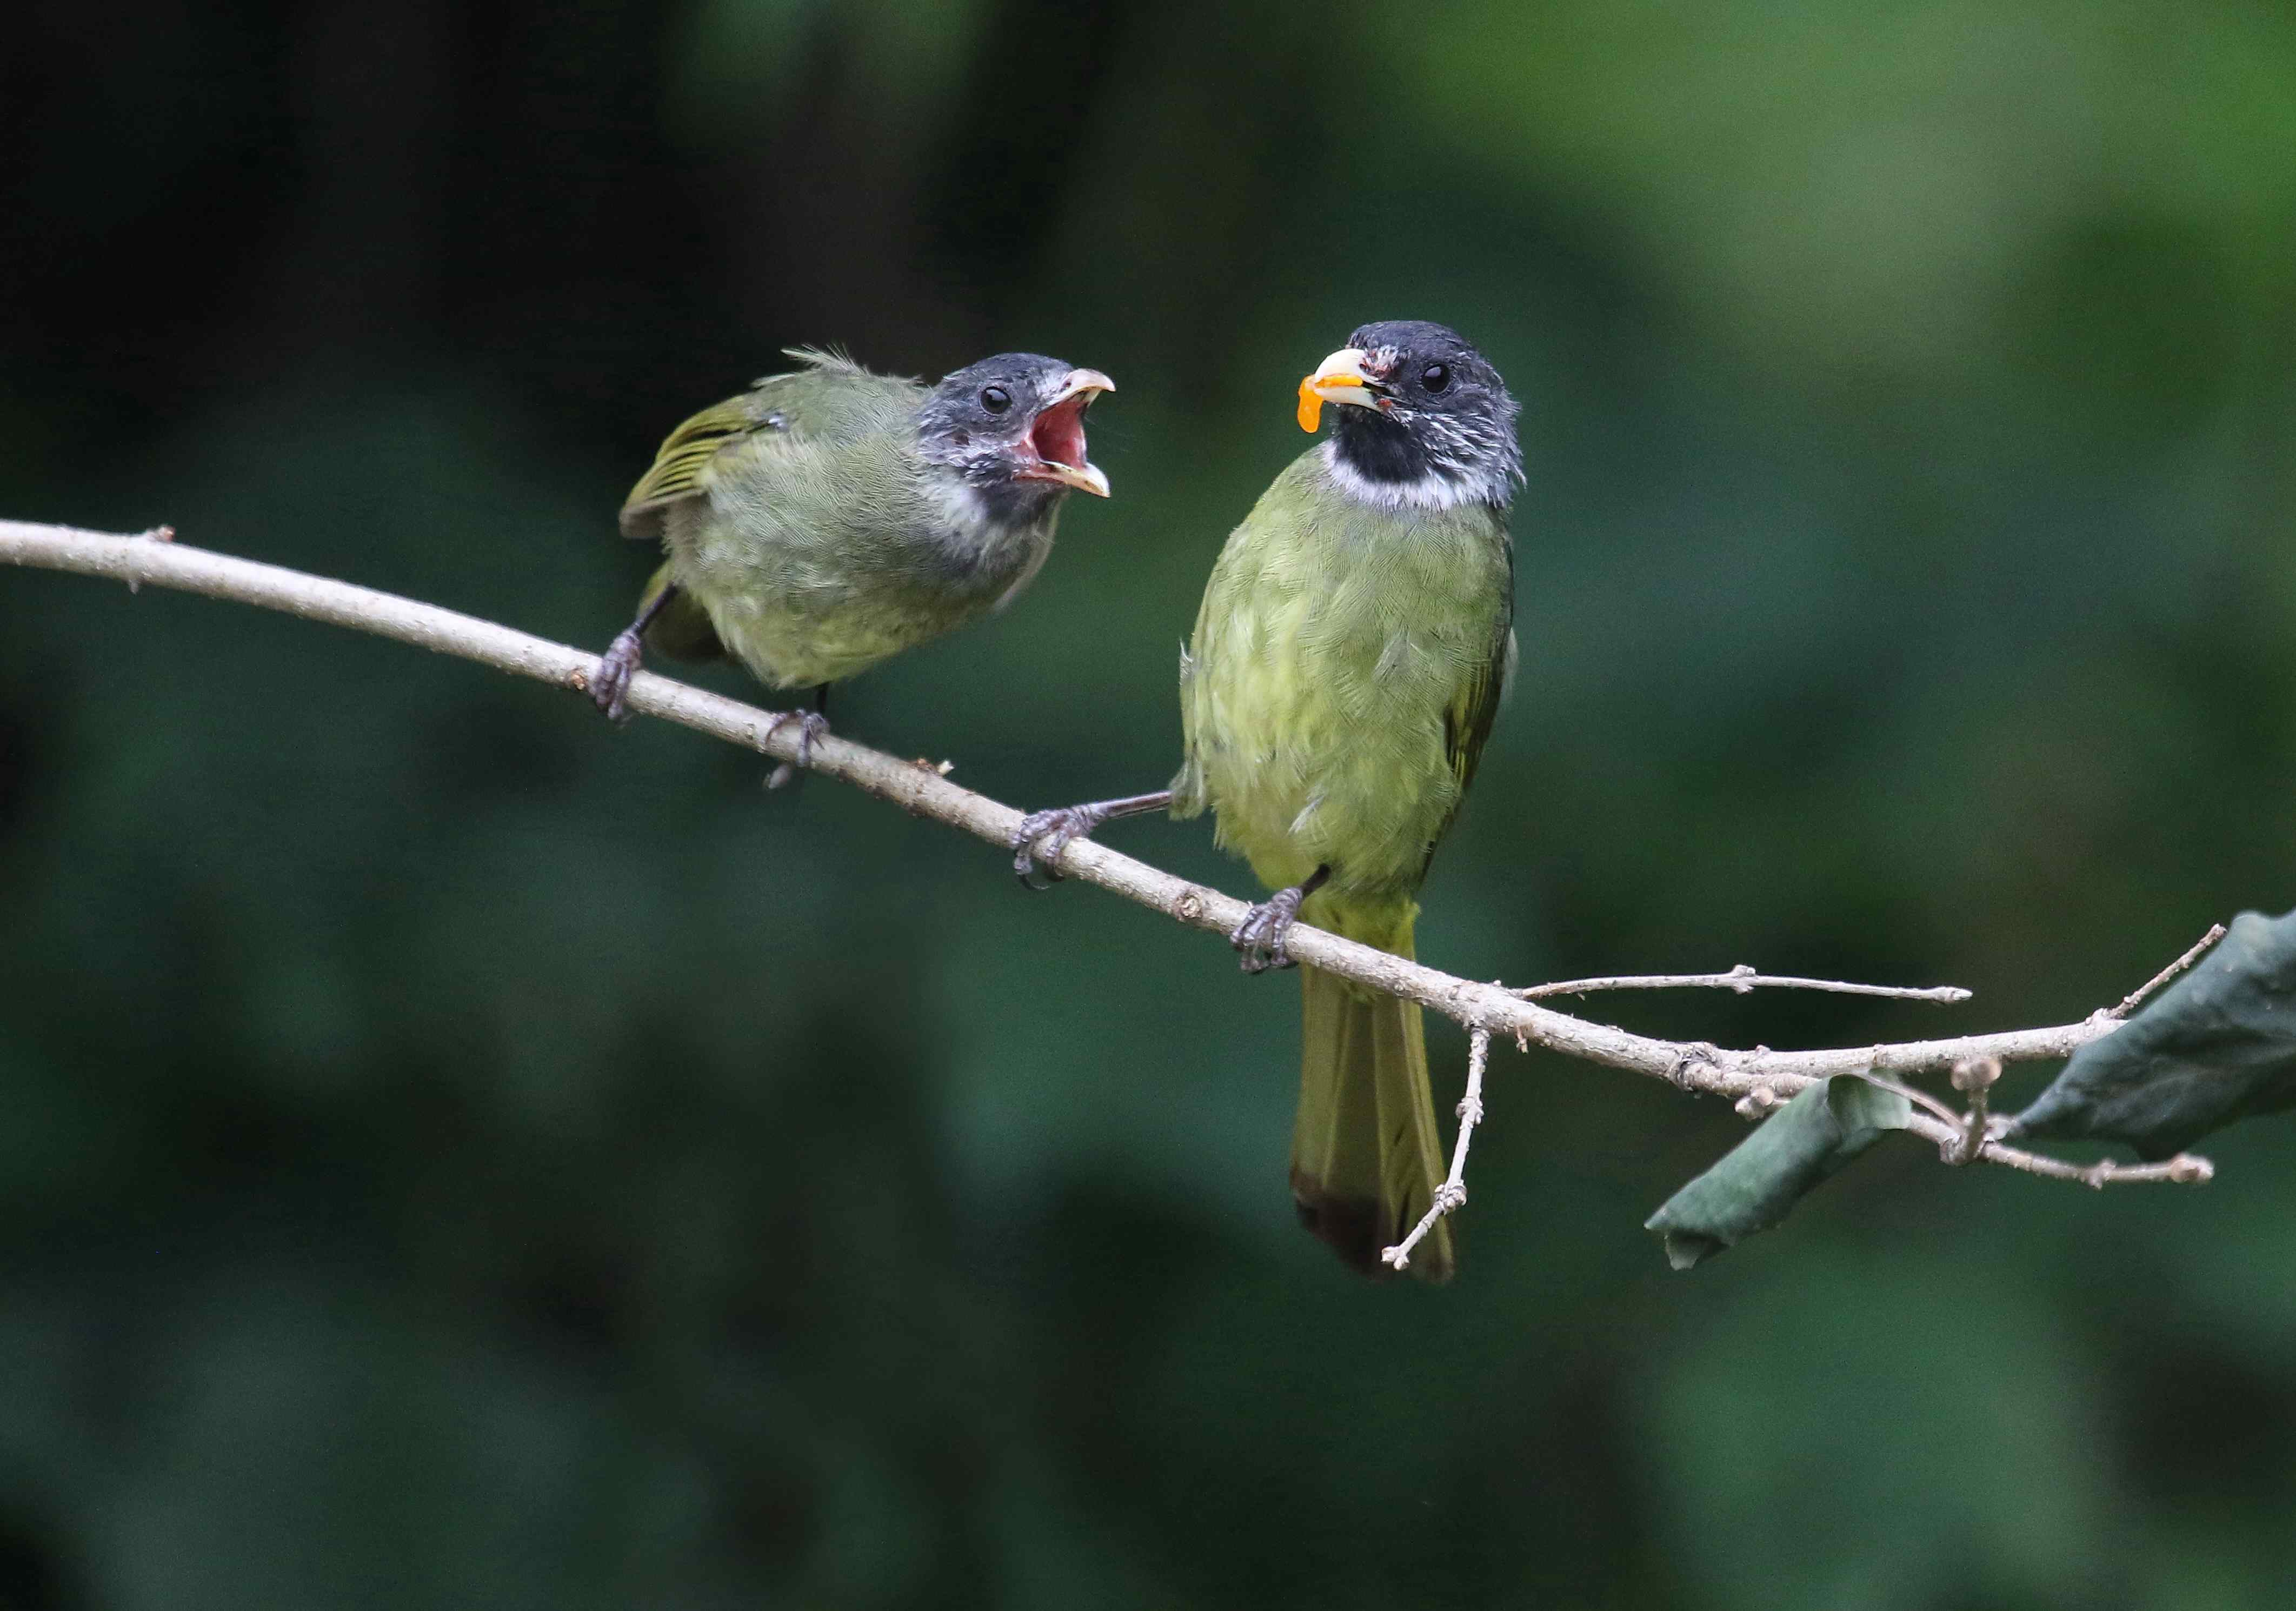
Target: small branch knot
1691	1057
1450	1197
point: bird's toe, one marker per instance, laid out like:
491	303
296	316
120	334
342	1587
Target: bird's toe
610	682
811	724
1034	852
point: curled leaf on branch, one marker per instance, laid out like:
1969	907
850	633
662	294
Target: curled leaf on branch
2216	1047
1794	1151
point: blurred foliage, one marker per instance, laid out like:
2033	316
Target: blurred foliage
458	1154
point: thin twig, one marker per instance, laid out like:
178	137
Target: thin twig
922	791
1977	1077
1912	1094
1741	979
2128	1002
1452	1195
2185	1169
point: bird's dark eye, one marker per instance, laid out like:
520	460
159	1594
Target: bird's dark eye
1435	376
996	399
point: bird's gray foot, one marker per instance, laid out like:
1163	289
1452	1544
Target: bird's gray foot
811	724
1067	823
1063	823
610	683
1260	936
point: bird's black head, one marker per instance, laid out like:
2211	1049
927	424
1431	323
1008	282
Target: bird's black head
1425	420
1013	426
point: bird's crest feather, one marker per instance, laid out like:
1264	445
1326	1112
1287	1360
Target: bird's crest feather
831	360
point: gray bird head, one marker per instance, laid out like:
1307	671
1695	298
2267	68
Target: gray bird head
1012	428
1425	420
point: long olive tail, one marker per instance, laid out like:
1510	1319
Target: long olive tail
1365	1158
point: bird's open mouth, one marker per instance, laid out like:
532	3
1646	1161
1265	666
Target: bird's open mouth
1057	436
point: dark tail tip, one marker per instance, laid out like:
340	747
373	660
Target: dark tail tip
1355	1228
1349	1226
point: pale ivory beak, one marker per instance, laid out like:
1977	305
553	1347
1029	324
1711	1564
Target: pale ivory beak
1077	394
1338	379
1083	379
1086	477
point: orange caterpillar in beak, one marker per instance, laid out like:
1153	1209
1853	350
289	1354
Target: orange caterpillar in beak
1311	405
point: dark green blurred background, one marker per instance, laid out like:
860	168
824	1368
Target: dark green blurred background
455	1154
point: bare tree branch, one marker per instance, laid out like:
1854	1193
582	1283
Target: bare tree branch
918	786
1452	1194
2128	1002
1743	978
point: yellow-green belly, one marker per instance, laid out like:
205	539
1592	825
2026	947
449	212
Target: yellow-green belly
1325	672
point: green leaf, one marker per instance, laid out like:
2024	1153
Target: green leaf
1759	1181
2216	1046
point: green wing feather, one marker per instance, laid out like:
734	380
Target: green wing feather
1468	719
831	399
685	455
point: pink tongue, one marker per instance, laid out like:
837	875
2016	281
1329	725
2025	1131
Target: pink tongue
1058	434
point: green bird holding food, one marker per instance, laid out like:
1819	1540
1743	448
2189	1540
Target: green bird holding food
829	517
1354	645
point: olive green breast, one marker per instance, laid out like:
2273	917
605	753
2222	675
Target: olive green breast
1340	679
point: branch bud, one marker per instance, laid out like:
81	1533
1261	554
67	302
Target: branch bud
1756	1103
1977	1073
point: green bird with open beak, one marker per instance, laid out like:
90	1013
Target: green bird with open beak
1354	644
829	516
